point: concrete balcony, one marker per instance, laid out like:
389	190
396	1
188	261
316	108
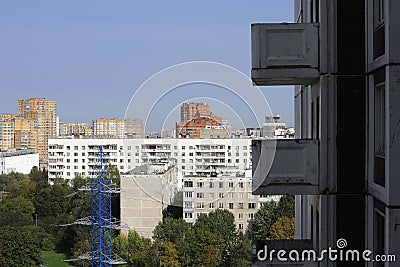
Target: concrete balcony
285	54
294	169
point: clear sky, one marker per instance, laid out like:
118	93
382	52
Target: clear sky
91	55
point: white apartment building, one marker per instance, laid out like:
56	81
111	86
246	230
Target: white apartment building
344	58
69	157
21	161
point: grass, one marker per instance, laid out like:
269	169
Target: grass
54	259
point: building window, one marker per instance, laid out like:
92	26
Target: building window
188	184
379	228
220	195
211	205
240	194
211	195
252	205
240	216
230	205
200	195
188	215
251	216
200	205
220	205
230	184
211	185
379	28
240	226
220	184
230	195
240	205
188	194
200	184
241	185
379	128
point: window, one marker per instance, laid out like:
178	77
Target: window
221	185
379	128
68	147
230	205
220	195
379	28
211	195
240	226
188	194
240	194
188	215
75	154
252	205
237	160
200	184
200	195
211	205
240	205
251	216
220	205
188	184
230	184
211	185
183	160
191	154
200	205
241	185
183	147
240	216
75	160
230	195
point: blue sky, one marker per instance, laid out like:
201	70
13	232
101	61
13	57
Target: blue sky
91	56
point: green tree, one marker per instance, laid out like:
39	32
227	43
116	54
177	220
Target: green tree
264	218
19	247
286	206
130	247
169	255
16	211
283	228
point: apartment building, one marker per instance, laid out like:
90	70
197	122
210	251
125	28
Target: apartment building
202	195
134	128
111	128
21	161
344	59
69	157
79	128
146	193
6	133
43	113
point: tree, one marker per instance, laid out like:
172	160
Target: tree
286	206
130	247
220	221
16	211
264	218
269	213
169	255
283	228
19	247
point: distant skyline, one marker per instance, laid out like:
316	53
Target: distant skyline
91	56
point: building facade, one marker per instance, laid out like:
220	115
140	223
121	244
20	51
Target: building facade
346	82
202	195
69	157
21	161
146	192
110	128
43	114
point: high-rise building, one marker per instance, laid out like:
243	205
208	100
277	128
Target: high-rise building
343	58
192	110
25	134
43	114
74	129
134	128
112	128
6	133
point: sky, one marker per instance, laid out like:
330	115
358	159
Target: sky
92	55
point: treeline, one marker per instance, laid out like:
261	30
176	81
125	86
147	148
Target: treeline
31	211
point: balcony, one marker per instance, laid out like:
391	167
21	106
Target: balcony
285	54
294	169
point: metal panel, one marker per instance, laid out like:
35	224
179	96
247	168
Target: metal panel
285	53
295	167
